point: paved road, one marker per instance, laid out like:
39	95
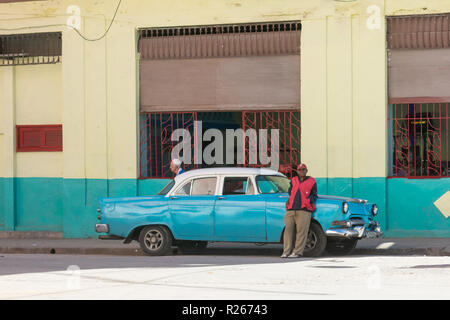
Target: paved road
381	246
223	277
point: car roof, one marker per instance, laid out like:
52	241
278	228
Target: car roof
228	171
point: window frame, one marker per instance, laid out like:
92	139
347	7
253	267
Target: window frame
175	193
262	175
202	178
191	181
249	183
394	103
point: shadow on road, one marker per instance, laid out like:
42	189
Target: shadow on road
215	255
212	257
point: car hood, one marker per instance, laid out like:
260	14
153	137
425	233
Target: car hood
347	199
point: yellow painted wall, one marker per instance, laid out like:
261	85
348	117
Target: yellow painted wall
344	93
38	102
31	95
7	122
343	78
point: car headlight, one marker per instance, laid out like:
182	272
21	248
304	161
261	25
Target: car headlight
345	207
107	208
374	209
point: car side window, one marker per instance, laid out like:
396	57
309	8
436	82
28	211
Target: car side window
272	184
204	186
237	185
185	190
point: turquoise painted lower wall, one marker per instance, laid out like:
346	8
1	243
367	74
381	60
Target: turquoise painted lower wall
411	207
69	205
62	205
2	203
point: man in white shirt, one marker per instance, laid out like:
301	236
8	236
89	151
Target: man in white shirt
175	167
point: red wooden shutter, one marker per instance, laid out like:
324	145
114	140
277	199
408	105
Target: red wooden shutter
39	138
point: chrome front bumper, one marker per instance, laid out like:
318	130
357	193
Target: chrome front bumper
102	228
354	229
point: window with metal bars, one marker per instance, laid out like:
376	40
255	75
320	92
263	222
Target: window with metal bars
33	48
220	29
156	129
156	145
256	39
288	124
419	140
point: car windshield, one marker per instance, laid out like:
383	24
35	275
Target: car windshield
272	184
167	188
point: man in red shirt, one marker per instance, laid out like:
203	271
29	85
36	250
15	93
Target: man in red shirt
299	207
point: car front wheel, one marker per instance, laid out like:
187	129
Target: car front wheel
155	240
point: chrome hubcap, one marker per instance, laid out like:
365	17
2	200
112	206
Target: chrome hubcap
311	241
153	240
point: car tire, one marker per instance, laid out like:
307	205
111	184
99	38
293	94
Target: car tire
191	247
341	247
155	240
316	242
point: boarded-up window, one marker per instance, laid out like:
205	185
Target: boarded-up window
220	68
419	82
419	57
39	138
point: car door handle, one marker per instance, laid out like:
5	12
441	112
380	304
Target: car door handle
221	198
173	198
283	197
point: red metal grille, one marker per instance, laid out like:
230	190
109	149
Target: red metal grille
39	138
156	130
288	123
419	134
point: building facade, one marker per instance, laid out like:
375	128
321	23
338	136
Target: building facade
90	92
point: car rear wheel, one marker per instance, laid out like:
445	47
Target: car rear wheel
316	242
155	240
191	247
341	247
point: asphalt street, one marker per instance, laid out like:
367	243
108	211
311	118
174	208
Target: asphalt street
206	277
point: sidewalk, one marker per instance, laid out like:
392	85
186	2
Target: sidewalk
383	246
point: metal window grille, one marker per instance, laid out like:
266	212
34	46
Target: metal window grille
419	140
39	138
156	146
429	31
27	49
288	124
220	41
156	130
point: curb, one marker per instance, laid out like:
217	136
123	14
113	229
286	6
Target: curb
432	252
219	251
73	251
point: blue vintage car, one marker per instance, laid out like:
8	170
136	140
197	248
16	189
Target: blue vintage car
231	205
